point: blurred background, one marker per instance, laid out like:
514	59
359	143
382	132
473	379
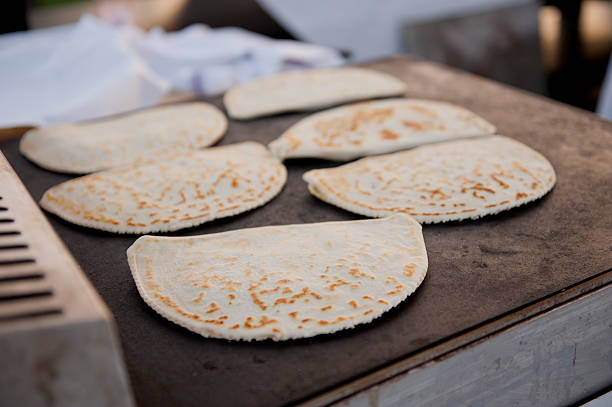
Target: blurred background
557	48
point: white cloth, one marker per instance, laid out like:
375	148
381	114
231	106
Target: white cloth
209	61
73	73
92	69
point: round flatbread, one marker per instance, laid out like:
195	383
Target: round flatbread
306	90
377	127
449	181
179	191
281	282
110	143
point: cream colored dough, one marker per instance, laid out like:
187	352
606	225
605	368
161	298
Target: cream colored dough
377	127
109	143
180	191
307	90
449	181
281	282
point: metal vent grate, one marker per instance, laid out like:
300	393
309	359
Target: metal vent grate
25	292
50	315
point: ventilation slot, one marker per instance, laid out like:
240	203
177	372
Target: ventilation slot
32	314
11	262
18	277
25	292
13	246
9	233
26	296
22	296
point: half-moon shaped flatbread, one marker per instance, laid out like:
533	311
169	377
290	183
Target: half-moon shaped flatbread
306	90
179	191
109	143
377	127
281	282
449	181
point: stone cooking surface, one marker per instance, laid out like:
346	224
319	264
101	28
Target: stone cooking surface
478	270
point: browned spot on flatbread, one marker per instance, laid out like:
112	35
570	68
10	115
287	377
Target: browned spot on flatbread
398	289
167	301
283	301
325	322
315	295
499	181
416	126
330	129
338	282
409	269
213	308
130	222
151	284
263	321
477	187
437	193
386	134
424	110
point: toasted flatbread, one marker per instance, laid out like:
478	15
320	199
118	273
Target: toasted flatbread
110	143
281	282
307	90
377	127
437	183
180	191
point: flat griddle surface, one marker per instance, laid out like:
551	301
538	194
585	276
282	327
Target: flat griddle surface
478	271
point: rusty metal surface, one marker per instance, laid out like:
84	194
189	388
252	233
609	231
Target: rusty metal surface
479	270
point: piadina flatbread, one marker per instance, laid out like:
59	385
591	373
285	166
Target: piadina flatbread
281	282
307	90
109	143
437	183
180	191
377	127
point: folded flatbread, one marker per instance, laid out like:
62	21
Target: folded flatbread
180	191
377	127
109	143
449	181
306	90
281	282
